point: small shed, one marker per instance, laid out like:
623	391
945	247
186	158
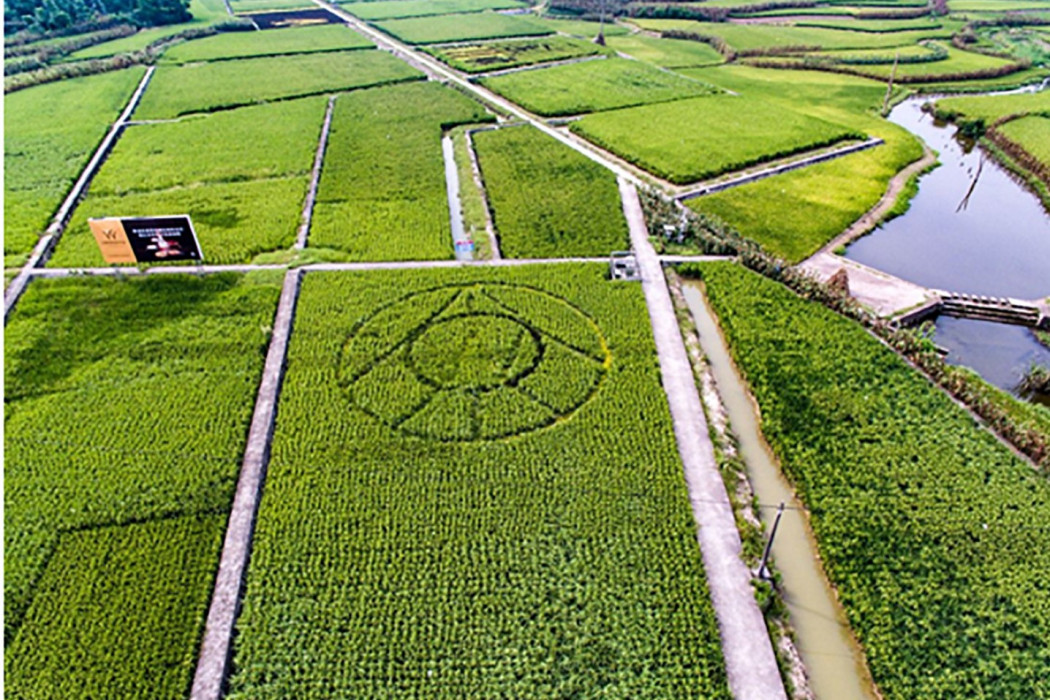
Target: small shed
623	266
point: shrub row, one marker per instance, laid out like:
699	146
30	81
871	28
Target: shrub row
815	63
51	51
77	69
1018	152
716	42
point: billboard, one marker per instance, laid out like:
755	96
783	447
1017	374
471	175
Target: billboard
146	239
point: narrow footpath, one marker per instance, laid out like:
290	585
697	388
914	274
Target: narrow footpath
215	653
315	177
750	662
46	244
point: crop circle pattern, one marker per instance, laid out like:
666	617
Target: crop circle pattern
474	361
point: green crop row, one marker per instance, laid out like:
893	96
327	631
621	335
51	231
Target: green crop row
933	533
874	26
690	140
593	86
237	173
548	200
129	44
126	409
496	55
395	9
404	549
272	42
465	27
44	153
382	194
206	87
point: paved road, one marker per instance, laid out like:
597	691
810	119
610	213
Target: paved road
881	292
750	662
215	654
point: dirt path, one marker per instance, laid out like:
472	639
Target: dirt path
343	266
751	665
874	215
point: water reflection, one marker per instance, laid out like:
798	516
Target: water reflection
998	352
997	244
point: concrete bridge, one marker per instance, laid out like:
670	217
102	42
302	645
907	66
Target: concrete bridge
907	304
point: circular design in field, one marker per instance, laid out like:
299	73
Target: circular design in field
480	351
474	361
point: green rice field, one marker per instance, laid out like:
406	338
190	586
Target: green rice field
795	213
382	194
995	107
757	38
206	87
685	141
272	42
395	9
121	454
548	201
464	27
400	532
235	172
1032	134
593	86
136	42
668	53
921	517
44	156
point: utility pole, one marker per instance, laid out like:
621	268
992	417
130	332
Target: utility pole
889	86
600	39
763	570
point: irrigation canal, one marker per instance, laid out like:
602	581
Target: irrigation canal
993	241
833	661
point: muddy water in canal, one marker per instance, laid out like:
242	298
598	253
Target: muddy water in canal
832	659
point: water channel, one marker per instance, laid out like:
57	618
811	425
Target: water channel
834	663
994	242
